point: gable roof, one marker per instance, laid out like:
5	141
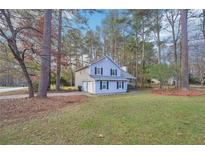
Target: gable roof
81	68
109	59
125	75
95	61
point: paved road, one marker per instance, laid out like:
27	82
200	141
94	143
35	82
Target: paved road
5	89
49	95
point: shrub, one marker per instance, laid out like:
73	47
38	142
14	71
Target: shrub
79	88
193	80
35	86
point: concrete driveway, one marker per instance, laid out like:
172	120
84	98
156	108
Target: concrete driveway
7	89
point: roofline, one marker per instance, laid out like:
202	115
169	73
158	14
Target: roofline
97	78
110	79
81	68
96	62
105	56
113	62
129	74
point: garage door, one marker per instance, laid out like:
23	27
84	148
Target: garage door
85	86
90	87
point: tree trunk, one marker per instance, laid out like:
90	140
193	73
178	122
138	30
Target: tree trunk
71	76
29	82
143	54
179	77
203	28
58	73
160	84
184	43
202	82
204	25
158	38
14	50
44	71
175	53
113	47
136	61
159	47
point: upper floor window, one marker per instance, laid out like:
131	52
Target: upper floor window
98	71
113	72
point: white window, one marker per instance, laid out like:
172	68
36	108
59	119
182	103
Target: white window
120	85
113	72
98	71
104	84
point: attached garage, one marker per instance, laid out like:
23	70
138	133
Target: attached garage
88	86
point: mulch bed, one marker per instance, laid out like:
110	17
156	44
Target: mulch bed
17	110
178	92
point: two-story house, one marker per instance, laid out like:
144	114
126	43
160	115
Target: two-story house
103	76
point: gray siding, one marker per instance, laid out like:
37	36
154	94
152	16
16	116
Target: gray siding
106	64
82	75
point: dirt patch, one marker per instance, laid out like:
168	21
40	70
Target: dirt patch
17	110
178	92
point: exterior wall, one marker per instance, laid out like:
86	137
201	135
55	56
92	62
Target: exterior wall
82	78
91	87
106	64
82	75
112	88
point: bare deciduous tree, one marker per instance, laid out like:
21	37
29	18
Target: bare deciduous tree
11	32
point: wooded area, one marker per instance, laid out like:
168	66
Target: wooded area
43	47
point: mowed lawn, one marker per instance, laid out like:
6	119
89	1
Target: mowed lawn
135	118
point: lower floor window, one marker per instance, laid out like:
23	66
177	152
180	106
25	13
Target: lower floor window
104	85
120	85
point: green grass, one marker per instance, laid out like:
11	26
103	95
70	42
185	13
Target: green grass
64	88
140	118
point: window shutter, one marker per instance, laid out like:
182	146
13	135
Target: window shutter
110	71
122	85
107	84
95	70
100	85
116	72
101	71
117	85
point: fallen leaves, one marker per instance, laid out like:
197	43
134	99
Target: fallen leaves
13	111
178	92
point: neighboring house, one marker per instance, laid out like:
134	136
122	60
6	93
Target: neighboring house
103	76
155	81
172	81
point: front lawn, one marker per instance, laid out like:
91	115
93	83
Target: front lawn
135	118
